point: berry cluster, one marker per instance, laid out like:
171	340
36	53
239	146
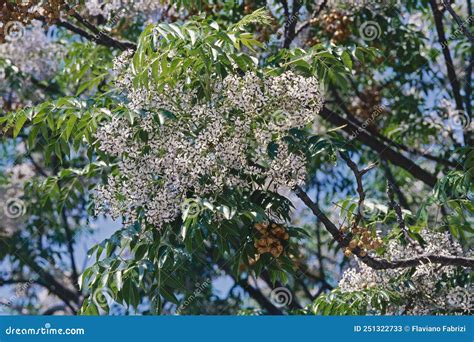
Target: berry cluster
272	237
249	7
368	106
336	24
363	238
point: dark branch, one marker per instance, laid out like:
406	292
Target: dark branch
458	20
467	83
390	142
67	295
378	263
400	220
101	37
52	310
438	19
75	29
262	300
70	245
290	24
98	36
36	166
360	188
391	179
385	152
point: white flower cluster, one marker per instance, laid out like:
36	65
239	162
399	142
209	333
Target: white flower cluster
129	8
35	53
421	295
208	146
19	174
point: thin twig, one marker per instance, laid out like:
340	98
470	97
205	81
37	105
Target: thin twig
313	16
398	211
458	20
360	188
391	179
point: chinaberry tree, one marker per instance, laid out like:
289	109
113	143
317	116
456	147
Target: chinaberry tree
311	157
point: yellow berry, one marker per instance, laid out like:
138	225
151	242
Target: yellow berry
353	244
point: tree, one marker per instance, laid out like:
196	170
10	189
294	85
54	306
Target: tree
314	156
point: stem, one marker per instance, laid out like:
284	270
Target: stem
438	18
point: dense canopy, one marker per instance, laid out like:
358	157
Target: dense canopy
255	157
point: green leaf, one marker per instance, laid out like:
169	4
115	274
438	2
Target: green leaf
20	121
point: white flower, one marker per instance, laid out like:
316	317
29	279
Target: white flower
421	295
35	53
210	145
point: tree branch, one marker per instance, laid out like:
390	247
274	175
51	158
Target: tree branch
290	25
378	263
52	310
313	16
260	298
391	179
390	142
70	245
438	19
101	37
67	295
383	150
458	20
360	188
400	220
98	37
